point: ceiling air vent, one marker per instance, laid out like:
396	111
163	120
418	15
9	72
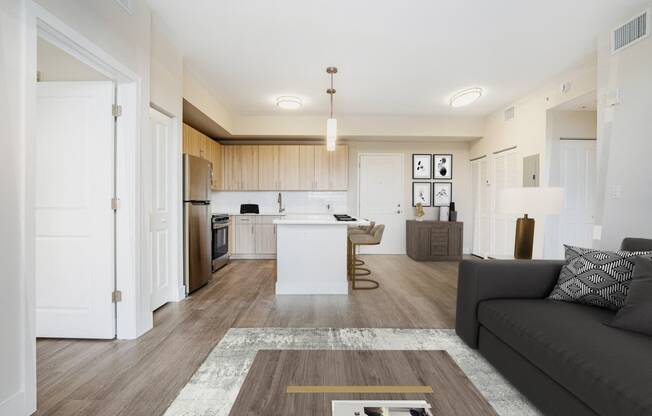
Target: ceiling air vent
510	113
127	5
631	32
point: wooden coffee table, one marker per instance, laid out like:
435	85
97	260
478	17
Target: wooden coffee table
265	390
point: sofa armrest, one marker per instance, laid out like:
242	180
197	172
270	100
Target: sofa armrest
480	280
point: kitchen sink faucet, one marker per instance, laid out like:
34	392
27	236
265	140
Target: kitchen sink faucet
280	203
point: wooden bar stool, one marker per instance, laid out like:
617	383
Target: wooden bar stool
371	239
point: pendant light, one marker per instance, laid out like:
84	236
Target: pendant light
331	123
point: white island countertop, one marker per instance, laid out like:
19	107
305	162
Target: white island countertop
317	219
311	254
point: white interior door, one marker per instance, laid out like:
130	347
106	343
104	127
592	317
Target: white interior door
74	247
381	198
578	178
506	174
161	285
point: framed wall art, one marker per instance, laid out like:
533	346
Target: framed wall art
442	166
442	193
421	193
421	166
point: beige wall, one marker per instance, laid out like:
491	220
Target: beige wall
528	131
624	142
166	71
56	65
461	177
195	92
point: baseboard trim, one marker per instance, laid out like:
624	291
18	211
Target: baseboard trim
14	405
253	256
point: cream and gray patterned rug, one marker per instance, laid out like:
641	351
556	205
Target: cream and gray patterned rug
214	387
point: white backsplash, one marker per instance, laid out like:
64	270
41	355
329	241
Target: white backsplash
294	202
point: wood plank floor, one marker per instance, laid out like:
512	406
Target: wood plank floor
142	377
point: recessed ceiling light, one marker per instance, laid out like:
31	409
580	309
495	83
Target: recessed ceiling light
288	102
465	97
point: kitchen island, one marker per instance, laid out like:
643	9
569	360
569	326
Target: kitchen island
311	254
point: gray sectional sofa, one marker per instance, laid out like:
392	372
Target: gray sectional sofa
560	355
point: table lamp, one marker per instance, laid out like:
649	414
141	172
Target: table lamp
529	201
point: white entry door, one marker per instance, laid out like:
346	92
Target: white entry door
74	246
382	199
159	216
578	178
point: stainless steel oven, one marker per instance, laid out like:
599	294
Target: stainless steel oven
220	240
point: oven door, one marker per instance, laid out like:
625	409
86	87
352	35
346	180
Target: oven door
220	245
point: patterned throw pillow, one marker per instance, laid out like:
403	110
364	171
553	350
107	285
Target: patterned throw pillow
594	277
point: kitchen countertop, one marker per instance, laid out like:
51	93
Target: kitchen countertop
316	219
262	214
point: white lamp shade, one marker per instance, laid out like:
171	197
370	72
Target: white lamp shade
331	134
534	201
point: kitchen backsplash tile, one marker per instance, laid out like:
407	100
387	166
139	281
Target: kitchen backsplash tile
295	202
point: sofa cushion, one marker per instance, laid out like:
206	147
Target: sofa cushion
608	369
636	315
595	277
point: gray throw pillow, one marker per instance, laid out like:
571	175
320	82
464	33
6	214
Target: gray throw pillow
596	277
636	315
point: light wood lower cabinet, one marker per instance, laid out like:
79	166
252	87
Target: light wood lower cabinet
254	237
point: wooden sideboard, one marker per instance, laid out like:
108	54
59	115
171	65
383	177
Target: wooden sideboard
434	240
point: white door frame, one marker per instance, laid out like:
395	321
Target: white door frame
133	317
403	198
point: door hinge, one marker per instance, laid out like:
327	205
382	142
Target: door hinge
116	110
116	296
115	204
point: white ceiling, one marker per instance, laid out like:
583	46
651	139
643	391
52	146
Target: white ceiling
394	57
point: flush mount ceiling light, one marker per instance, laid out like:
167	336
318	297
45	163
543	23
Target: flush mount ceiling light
331	123
288	102
465	97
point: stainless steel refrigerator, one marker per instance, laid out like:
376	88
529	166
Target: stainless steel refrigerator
197	230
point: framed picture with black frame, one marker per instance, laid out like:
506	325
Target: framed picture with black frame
421	166
421	192
442	193
442	166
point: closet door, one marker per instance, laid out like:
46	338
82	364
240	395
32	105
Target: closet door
506	174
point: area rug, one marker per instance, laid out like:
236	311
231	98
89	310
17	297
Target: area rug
214	387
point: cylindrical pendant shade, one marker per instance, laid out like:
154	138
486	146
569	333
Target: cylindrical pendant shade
331	134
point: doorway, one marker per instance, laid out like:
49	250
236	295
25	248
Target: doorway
572	130
74	151
381	198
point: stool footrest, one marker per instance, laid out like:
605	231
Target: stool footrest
375	284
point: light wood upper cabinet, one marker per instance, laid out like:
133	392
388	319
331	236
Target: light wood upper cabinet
216	157
198	144
268	168
232	168
194	143
284	168
249	158
338	171
289	175
322	164
306	167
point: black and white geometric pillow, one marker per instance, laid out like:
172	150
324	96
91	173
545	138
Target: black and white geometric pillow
594	277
